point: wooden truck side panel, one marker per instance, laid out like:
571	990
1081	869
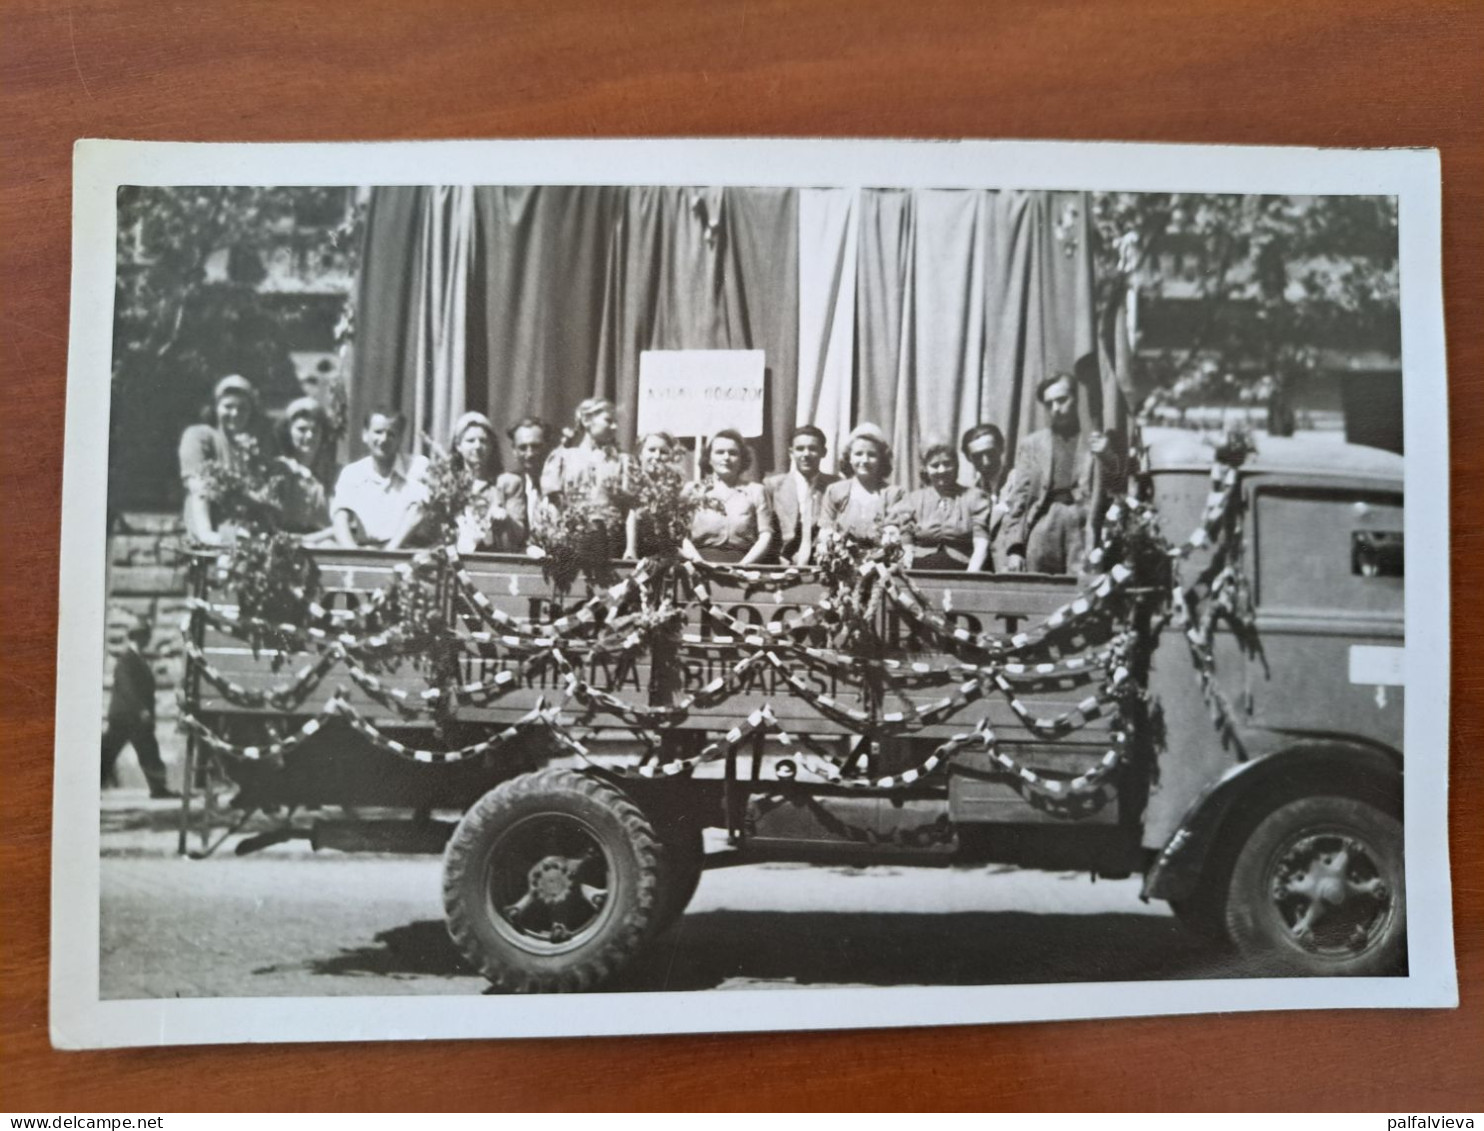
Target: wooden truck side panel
513	587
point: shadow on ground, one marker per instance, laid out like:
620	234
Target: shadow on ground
157	817
418	950
707	949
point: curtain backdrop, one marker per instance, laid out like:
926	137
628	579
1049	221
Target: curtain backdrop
966	300
390	264
412	310
703	269
924	311
539	299
829	237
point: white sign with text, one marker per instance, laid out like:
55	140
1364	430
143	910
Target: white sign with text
696	392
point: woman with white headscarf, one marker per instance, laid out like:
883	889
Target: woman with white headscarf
229	439
863	504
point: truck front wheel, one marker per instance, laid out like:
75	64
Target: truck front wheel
1319	888
551	882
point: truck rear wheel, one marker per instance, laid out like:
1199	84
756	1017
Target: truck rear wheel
1319	888
551	882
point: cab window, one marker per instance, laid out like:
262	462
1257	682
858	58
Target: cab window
1341	551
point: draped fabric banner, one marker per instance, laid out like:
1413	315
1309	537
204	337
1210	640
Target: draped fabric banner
703	269
924	311
762	228
571	284
441	314
968	299
829	235
539	299
385	327
412	310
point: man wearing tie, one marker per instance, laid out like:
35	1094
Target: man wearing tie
519	492
796	495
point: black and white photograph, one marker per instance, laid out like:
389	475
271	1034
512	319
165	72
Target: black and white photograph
543	588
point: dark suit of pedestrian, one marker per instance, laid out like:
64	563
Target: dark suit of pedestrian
131	720
1050	498
783	494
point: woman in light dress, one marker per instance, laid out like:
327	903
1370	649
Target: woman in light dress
656	450
944	524
591	468
734	524
863	504
230	438
484	523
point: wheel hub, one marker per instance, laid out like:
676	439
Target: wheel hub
1330	893
548	882
551	879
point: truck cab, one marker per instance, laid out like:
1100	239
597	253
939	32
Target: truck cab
1284	835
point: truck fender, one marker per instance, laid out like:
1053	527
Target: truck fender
1250	789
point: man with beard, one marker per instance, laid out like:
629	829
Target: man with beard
1061	476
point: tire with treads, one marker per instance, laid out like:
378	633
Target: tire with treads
551	882
1319	888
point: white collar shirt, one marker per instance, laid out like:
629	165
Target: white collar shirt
380	502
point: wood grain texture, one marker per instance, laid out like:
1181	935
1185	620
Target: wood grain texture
1337	72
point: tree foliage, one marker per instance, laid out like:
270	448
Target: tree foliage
188	307
1275	280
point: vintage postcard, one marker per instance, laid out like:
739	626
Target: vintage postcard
581	587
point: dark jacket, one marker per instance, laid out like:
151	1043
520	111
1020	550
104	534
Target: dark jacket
784	496
1028	491
133	697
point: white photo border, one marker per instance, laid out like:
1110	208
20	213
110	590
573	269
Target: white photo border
80	1020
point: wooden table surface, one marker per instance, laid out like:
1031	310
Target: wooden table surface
1336	73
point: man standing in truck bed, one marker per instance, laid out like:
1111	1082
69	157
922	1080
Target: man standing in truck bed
1062	475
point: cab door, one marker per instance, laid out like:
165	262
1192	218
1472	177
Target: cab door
1328	571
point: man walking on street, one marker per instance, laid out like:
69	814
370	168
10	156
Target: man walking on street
131	714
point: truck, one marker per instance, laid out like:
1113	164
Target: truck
1216	705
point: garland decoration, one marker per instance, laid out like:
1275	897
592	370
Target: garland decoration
434	613
273	580
449	494
244	489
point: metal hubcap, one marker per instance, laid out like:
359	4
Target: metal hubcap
1331	895
549	881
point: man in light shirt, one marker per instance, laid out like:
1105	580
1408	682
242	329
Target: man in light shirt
796	495
375	502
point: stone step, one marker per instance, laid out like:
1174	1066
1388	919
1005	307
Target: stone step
144	549
148	522
146	580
